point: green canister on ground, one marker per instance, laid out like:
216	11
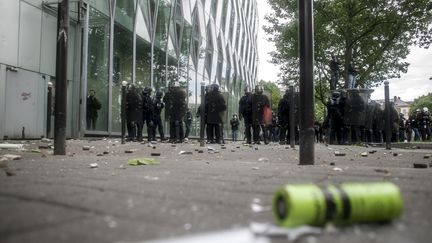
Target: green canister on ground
309	204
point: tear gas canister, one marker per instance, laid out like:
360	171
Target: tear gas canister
310	204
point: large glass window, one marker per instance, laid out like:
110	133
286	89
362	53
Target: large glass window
97	70
122	56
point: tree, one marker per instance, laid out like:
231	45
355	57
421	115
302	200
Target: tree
274	91
374	36
422	101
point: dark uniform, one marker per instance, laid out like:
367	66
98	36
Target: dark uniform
335	118
259	103
175	103
283	116
158	106
234	127
133	113
188	122
402	127
147	112
245	112
215	108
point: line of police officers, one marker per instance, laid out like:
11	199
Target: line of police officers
364	121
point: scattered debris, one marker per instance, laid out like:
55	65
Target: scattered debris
45	146
151	178
155	154
364	154
255	168
153	142
427	156
11	157
143	161
256	148
105	152
11	146
110	222
395	154
338	153
386	172
45	140
185	152
86	148
420	165
223	147
99	155
337	169
263	159
210	149
94	165
232	150
129	151
372	151
332	163
200	151
173	145
292	234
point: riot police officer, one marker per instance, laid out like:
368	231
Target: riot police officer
260	102
215	108
175	100
158	106
133	113
283	117
147	112
335	118
245	112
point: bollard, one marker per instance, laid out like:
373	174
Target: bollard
123	111
308	204
387	116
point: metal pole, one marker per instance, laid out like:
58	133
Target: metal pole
123	111
202	114
387	115
291	117
61	79
49	110
307	132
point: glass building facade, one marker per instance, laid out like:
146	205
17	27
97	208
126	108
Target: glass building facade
146	42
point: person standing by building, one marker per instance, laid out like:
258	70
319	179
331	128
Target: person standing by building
92	106
245	112
158	106
234	127
215	108
260	102
175	101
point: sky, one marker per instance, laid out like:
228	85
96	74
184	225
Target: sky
411	85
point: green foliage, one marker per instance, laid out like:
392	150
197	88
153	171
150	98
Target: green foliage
274	91
422	101
373	35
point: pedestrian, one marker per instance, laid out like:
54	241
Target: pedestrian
234	127
352	74
245	112
92	106
334	72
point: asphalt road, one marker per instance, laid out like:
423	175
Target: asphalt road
50	198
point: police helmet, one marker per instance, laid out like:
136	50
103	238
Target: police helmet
215	87
259	89
425	109
159	94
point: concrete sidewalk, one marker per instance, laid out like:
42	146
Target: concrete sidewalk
61	199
